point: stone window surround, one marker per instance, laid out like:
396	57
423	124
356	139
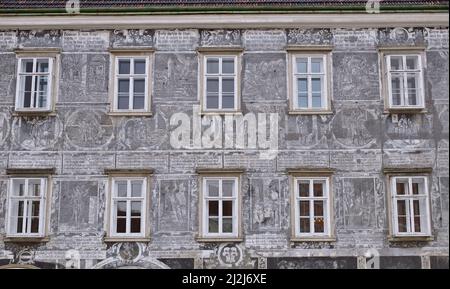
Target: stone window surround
128	173
309	50
204	52
296	173
384	86
33	52
46	173
407	172
217	173
129	52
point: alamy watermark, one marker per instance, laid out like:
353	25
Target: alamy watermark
231	131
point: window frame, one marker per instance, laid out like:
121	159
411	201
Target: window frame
307	52
326	198
53	55
115	56
128	199
43	199
214	53
203	235
385	54
114	176
393	197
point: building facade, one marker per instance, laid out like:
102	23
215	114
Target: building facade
198	138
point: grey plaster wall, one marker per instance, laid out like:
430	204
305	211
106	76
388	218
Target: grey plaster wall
358	140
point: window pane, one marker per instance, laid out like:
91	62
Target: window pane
139	66
304	208
318	188
42	65
213	225
121	209
212	85
42	91
121	188
412	62
227	208
121	225
318	208
304	225
213	208
316	65
316	99
212	65
123	95
27	90
319	225
227	225
136	209
418	186
124	66
139	94
228	101
303	188
302	85
35	208
302	65
396	63
213	188
34	187
34	225
135	225
402	187
19	227
413	88
417	223
136	188
316	84
212	101
397	89
27	65
227	188
228	65
18	188
402	216
228	85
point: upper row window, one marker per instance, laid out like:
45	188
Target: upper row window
34	83
309	82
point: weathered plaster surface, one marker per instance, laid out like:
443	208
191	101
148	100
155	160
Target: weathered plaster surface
357	140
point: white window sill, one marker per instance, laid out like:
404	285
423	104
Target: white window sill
26	239
126	239
309	111
313	239
32	112
219	239
410	238
129	113
221	112
400	110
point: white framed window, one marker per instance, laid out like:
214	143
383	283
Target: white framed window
220	82
27	207
410	206
34	83
312	207
310	82
405	80
220	207
128	207
131	83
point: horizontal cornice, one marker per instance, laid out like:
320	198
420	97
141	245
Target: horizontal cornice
319	20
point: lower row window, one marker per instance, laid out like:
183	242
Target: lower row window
220	206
